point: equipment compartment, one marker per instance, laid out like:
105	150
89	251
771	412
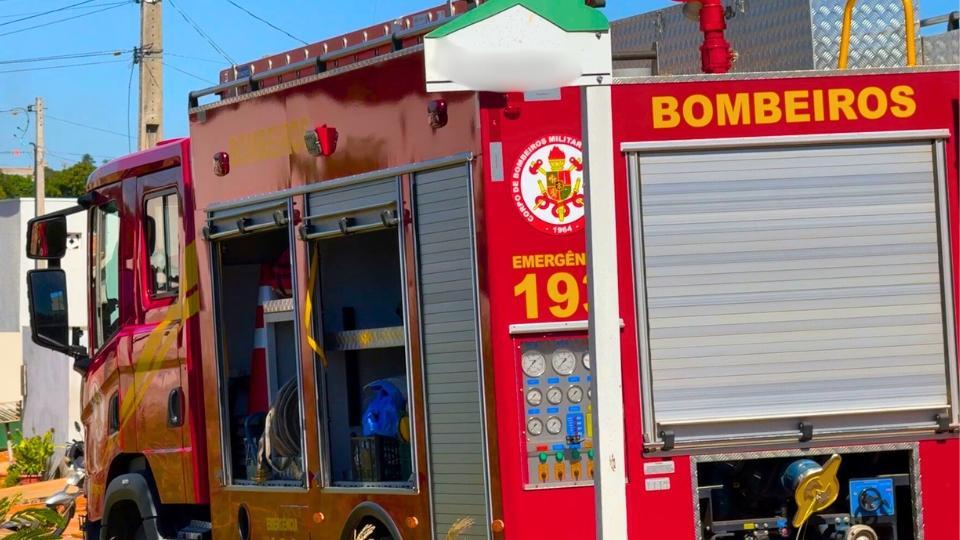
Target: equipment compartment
260	360
863	495
360	291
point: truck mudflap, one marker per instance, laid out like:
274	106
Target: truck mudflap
367	512
136	488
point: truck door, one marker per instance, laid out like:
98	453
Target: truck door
159	351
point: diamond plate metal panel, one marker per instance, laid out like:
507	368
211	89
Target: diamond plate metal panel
278	306
375	338
766	36
940	49
777	35
877	37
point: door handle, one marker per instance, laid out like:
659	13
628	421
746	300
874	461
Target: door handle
175	408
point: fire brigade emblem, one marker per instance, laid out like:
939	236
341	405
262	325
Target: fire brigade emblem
548	184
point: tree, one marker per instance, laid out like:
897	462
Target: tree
14	186
72	181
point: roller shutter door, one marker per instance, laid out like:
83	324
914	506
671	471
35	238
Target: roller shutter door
791	284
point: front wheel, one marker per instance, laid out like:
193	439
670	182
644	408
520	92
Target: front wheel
66	510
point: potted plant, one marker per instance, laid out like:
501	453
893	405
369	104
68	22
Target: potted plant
30	457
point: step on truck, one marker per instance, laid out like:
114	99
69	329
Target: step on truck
348	308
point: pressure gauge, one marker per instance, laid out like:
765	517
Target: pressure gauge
554	425
564	362
534	364
534	427
586	360
575	394
554	395
534	396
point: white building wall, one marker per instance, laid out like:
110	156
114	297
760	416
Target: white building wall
43	387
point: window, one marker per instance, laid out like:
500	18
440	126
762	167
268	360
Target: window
106	271
162	235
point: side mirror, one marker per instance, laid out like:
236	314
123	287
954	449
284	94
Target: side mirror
49	320
47	238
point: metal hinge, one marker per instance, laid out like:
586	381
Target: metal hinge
806	432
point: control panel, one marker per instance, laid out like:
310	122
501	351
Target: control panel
557	415
872	497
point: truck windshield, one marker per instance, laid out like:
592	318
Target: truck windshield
106	275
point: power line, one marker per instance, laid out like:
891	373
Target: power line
12	15
62	57
218	62
85	126
129	93
45	68
152	78
42	13
69	8
78	154
199	78
63	20
202	34
268	23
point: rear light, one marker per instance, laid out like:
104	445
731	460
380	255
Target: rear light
221	164
437	113
321	141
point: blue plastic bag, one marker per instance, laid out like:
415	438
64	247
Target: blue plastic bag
382	416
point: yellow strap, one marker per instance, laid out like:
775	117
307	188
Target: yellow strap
308	310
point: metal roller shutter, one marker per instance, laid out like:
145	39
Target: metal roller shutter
451	353
784	285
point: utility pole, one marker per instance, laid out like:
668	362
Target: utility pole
39	182
150	123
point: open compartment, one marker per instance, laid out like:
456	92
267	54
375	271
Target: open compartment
864	492
259	359
360	286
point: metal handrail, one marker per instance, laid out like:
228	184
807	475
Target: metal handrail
907	24
320	61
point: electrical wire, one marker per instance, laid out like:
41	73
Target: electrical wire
129	100
48	117
201	32
45	68
218	62
268	23
42	13
152	78
97	156
12	15
199	78
62	57
63	20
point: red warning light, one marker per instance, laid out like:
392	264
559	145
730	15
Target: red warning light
16	152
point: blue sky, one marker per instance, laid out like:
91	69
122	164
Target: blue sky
97	95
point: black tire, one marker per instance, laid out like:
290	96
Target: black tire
67	511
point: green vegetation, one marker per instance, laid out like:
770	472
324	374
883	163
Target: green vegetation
69	182
38	523
30	456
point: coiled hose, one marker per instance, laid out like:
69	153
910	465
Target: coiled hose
281	434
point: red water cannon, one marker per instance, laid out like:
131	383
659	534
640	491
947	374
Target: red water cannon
715	53
321	141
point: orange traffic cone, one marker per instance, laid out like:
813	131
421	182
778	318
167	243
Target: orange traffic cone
259	400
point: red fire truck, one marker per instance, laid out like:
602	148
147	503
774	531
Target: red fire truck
346	305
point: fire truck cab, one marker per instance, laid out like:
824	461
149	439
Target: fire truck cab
348	308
